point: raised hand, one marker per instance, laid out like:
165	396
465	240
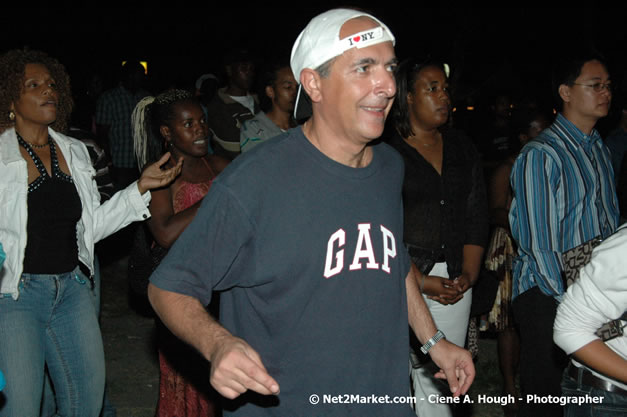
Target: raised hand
154	177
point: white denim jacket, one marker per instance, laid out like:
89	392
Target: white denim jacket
97	221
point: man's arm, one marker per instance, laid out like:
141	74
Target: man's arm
235	366
534	219
455	362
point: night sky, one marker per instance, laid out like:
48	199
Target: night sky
489	48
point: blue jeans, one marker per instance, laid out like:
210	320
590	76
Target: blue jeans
612	405
49	406
52	323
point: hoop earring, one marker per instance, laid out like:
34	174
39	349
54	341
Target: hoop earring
11	115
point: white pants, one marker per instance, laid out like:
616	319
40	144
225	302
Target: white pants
453	321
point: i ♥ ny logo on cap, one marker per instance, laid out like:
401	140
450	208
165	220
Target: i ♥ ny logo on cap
365	38
320	41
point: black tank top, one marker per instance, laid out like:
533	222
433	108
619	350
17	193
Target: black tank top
54	208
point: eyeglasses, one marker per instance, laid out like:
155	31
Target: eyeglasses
598	87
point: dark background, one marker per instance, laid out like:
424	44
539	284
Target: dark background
489	49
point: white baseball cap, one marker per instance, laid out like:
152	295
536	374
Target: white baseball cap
320	41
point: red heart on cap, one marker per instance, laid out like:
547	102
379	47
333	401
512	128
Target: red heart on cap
356	38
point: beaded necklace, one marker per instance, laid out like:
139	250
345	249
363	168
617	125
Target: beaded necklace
43	174
34	145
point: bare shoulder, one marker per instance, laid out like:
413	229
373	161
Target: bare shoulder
218	163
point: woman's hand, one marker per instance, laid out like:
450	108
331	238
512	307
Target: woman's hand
463	283
154	177
442	290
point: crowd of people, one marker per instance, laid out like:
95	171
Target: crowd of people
293	239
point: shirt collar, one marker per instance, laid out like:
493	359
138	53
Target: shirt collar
574	135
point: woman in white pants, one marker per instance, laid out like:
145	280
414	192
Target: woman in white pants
445	207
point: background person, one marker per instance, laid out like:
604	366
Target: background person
445	209
174	121
564	196
51	218
526	125
233	104
617	144
279	88
113	122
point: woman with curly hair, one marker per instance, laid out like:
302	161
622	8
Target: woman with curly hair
50	220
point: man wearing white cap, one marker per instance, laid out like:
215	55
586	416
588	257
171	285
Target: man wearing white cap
303	237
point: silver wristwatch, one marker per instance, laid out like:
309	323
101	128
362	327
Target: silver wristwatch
435	339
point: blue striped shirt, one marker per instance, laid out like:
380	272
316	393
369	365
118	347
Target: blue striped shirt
564	195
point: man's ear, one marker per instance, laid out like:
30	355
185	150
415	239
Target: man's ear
311	82
410	98
564	92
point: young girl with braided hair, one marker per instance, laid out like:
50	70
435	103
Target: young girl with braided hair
174	122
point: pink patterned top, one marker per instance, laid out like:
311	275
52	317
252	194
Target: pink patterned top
190	193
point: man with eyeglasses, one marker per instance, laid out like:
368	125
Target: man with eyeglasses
564	196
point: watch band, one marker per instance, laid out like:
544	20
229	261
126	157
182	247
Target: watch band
431	342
